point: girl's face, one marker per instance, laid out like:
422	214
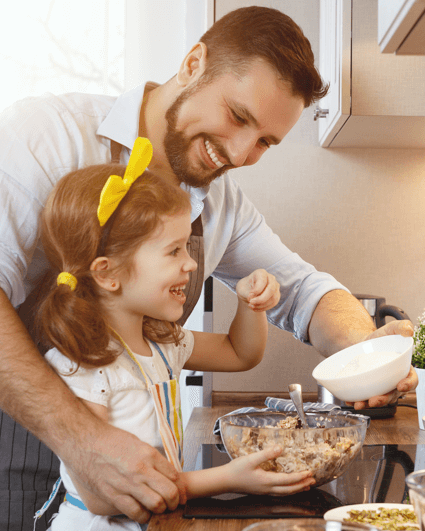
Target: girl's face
160	271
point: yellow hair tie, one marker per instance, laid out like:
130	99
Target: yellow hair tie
68	279
116	187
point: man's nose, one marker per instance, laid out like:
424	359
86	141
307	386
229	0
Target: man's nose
242	149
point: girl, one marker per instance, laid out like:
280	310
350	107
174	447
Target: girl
117	244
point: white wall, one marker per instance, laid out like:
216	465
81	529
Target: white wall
158	35
358	214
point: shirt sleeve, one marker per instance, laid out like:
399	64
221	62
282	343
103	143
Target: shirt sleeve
18	220
30	164
41	140
254	245
183	351
90	384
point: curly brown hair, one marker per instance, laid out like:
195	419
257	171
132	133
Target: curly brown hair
73	321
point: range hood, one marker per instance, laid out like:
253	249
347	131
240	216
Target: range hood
401	26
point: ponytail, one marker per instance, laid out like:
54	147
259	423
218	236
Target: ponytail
70	320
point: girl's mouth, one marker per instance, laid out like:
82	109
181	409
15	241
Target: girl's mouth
177	293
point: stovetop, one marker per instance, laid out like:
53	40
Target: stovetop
377	475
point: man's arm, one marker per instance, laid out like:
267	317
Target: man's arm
112	463
340	321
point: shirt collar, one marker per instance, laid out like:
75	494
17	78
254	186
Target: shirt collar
197	196
122	122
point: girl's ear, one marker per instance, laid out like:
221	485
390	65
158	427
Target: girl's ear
103	275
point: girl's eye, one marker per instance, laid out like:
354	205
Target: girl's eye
175	252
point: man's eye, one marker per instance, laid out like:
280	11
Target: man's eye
264	142
238	118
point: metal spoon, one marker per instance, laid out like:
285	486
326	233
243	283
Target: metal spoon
297	399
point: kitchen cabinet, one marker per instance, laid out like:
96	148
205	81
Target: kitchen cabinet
375	100
401	27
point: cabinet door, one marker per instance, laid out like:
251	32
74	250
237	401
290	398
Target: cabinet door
335	68
401	26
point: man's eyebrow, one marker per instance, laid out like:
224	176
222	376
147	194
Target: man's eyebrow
244	113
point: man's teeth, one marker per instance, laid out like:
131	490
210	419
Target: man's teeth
212	155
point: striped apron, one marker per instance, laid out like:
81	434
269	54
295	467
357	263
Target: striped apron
166	397
28	468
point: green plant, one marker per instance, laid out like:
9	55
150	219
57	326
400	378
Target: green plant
418	356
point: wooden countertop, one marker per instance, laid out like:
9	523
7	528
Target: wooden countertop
403	428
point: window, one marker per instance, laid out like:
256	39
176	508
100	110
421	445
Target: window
60	46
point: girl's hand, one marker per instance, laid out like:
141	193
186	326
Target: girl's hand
260	290
247	476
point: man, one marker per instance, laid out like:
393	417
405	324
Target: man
239	91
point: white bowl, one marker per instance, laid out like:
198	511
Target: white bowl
370	373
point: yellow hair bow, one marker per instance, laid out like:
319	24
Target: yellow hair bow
116	187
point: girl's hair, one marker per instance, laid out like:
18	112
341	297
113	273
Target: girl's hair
260	32
71	235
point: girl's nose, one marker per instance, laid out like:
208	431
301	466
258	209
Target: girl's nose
190	264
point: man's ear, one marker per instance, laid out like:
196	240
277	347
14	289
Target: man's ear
193	66
101	269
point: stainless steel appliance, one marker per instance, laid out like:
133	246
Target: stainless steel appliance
378	310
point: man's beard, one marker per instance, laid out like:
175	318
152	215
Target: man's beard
177	146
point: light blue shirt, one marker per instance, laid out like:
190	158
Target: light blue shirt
44	138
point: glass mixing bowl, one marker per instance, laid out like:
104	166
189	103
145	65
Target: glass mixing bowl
326	447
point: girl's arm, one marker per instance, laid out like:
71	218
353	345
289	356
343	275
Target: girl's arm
243	347
246	476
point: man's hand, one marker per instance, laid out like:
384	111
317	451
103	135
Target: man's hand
403	328
260	290
122	475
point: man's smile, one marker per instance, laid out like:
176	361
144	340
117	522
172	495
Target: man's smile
212	154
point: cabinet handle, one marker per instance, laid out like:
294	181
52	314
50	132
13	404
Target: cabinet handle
320	113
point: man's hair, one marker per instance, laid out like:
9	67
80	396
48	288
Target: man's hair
73	321
249	33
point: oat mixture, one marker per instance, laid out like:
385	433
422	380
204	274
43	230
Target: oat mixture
325	453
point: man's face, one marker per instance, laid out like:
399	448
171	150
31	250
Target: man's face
227	123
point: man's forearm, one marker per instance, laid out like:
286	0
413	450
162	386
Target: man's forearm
31	392
338	322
